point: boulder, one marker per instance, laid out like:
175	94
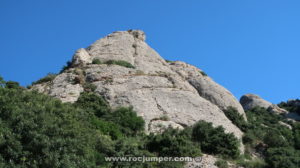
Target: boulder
250	101
205	161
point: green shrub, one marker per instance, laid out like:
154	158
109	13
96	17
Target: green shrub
283	158
215	140
273	138
236	118
249	138
107	128
129	122
65	67
256	163
12	85
264	126
258	116
124	117
96	61
89	87
290	107
120	63
173	143
221	164
164	118
2	82
280	142
296	133
168	61
93	104
132	147
203	73
40	131
48	78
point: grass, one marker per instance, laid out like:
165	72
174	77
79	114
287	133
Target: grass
114	62
120	63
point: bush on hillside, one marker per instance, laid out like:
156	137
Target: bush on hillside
89	87
12	85
93	103
221	164
2	82
39	131
67	66
264	126
203	73
215	140
273	138
283	158
236	118
289	107
296	133
172	143
129	122
120	63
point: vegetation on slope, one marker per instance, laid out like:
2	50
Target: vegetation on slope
290	106
236	118
114	62
40	131
266	138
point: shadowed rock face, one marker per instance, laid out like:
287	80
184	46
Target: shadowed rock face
154	88
250	101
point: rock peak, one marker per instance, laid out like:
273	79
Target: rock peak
139	34
126	71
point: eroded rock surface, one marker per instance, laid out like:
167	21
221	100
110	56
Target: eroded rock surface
206	161
154	87
206	87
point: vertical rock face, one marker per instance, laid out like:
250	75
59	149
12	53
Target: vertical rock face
164	94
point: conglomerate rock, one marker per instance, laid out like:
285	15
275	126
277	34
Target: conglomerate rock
154	88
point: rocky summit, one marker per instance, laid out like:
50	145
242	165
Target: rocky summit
126	71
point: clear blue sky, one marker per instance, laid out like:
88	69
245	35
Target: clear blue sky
248	46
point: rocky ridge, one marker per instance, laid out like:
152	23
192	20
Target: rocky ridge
164	93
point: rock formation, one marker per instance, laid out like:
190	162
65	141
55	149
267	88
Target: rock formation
250	101
165	94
